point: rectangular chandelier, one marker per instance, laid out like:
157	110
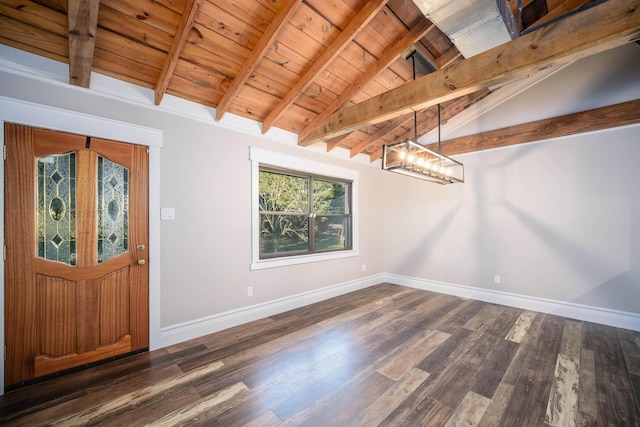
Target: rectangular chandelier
412	159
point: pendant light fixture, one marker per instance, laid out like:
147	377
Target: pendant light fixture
413	159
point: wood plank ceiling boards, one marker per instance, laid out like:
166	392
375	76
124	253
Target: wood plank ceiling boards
579	36
331	72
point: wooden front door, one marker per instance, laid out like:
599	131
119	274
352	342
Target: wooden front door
76	235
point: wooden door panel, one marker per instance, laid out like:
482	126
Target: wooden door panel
114	306
20	301
81	321
64	314
44	365
81	273
86	308
56	308
49	142
139	233
86	224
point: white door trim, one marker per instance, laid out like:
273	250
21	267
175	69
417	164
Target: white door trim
36	115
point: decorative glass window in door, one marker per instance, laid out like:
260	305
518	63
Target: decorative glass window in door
56	197
113	209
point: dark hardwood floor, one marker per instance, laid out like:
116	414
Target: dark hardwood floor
386	355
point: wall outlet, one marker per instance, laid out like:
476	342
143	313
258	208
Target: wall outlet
364	267
496	278
250	291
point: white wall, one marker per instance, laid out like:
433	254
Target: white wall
206	251
558	220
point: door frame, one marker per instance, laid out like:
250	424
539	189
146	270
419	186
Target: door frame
42	116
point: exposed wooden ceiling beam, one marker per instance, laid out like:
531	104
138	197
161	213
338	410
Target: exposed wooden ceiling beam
82	17
333	143
449	110
390	126
258	52
623	114
362	18
184	27
364	79
410	38
447	57
423	128
562	8
600	28
380	133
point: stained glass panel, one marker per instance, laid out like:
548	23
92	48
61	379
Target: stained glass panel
56	198
113	209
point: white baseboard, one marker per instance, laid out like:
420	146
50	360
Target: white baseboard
207	325
618	319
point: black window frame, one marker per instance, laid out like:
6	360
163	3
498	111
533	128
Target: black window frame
310	214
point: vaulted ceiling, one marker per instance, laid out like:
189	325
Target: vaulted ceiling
334	72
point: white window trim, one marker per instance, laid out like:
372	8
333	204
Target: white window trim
260	156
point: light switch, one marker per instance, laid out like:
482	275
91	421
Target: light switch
167	213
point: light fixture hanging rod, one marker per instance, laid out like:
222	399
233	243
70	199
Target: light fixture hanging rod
439	131
413	159
415	113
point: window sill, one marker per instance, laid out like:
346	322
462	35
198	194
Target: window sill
301	259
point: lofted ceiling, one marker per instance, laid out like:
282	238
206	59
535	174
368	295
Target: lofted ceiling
333	72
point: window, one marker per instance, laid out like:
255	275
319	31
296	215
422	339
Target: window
303	211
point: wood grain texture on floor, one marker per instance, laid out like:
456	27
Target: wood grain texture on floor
386	355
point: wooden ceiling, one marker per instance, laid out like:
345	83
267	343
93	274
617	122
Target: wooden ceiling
330	71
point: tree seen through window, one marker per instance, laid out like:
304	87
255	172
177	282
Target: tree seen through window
291	204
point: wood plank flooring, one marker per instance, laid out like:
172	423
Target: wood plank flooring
387	355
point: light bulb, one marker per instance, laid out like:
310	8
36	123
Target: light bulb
403	154
434	168
420	161
447	172
411	158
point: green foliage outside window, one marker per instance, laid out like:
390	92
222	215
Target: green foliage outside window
289	209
